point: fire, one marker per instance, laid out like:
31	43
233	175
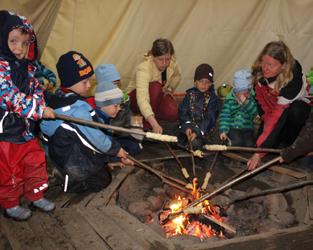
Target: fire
195	222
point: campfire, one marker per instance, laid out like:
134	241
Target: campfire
202	221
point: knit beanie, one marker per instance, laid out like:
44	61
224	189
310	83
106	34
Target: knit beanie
204	71
107	93
242	80
109	73
72	68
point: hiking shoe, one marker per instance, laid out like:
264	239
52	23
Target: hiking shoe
17	213
43	204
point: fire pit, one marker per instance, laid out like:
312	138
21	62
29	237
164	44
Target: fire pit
219	218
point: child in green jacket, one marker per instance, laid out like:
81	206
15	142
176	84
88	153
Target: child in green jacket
238	112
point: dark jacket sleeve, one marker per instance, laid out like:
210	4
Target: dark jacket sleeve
302	145
211	113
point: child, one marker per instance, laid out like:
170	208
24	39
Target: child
238	112
109	73
22	161
108	98
80	152
198	110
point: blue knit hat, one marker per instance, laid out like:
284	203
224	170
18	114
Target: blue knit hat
109	73
107	93
242	80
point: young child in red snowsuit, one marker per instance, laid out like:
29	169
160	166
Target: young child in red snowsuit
22	160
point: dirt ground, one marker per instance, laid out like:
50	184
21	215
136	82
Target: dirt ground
101	220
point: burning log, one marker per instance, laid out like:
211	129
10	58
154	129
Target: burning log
150	135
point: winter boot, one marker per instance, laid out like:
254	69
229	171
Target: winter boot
43	205
18	213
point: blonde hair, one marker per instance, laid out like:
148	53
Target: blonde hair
280	52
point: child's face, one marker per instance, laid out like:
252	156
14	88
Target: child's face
111	110
81	87
18	43
203	85
162	62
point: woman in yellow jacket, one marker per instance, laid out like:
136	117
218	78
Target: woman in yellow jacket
151	90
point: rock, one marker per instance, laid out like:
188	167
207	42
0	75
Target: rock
221	200
156	203
275	203
284	218
234	194
268	225
249	211
139	208
253	190
173	193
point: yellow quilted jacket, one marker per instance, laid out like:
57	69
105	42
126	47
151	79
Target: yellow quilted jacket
147	72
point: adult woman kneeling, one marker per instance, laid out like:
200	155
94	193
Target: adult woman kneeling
151	90
281	91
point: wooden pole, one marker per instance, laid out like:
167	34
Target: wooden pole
165	179
273	190
159	137
244	149
180	165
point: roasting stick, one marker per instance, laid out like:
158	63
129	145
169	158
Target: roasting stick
181	166
218	147
192	160
165	179
150	135
209	173
226	186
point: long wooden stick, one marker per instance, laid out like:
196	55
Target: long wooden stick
273	190
237	148
226	186
150	135
180	165
192	160
165	179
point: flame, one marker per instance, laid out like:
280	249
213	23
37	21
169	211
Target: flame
184	224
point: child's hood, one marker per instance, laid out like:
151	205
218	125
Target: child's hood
9	21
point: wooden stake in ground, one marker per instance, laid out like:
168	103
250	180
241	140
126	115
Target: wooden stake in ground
150	135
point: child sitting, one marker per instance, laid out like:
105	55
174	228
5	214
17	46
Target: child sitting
238	112
108	98
80	152
109	73
198	110
22	161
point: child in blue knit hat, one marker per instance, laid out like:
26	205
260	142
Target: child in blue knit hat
108	100
239	111
109	73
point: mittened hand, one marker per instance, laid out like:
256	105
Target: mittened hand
48	113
